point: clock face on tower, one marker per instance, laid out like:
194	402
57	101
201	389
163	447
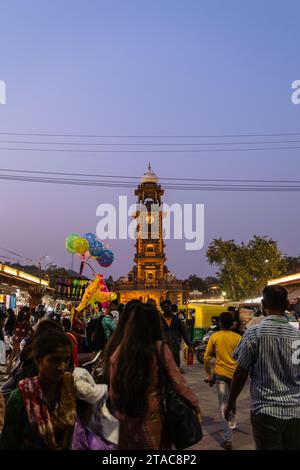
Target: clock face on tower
150	219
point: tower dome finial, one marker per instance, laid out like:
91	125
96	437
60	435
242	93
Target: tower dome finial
149	176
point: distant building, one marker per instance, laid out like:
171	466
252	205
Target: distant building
292	284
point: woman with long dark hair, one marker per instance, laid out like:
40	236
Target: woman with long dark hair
10	322
116	338
22	330
134	384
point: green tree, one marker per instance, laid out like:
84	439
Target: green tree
211	280
293	264
245	269
197	283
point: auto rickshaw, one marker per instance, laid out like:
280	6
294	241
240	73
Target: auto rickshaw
199	319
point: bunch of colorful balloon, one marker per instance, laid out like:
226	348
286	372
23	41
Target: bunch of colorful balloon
89	247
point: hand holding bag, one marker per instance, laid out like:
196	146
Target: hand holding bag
181	420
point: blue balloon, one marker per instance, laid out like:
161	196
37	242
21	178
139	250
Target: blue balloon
89	236
96	248
106	258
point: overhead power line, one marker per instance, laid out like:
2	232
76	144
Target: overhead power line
259	149
149	144
137	178
175	186
152	136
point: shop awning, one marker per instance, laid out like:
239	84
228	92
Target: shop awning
11	278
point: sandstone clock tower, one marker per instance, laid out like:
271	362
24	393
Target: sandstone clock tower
149	257
150	277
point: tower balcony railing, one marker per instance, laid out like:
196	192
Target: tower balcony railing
146	253
147	284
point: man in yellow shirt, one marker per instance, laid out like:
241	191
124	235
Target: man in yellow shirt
221	346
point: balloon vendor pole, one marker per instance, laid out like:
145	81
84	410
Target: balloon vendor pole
82	265
84	262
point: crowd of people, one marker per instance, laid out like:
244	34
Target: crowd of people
48	402
45	406
267	348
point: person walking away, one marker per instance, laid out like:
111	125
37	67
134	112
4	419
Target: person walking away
174	330
181	317
236	319
40	315
9	328
66	323
134	382
22	330
90	330
270	352
108	323
120	309
78	329
40	414
258	317
116	338
245	316
221	346
10	323
113	307
2	344
178	314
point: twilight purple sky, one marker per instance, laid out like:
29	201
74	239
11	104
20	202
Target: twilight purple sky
136	67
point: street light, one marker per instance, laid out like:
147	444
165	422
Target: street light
40	265
23	258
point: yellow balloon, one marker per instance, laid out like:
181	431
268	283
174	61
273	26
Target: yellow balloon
80	245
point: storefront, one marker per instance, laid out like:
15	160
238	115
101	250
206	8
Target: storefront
14	286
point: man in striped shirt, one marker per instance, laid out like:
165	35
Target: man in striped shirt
271	352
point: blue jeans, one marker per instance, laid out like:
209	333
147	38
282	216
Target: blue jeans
223	387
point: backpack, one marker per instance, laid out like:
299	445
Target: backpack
98	338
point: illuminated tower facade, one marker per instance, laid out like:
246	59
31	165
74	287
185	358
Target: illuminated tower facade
150	277
149	256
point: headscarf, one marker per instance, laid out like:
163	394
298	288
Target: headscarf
54	426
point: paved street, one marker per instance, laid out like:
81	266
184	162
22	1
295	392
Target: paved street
212	424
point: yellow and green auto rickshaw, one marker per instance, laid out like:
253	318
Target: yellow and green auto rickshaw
200	318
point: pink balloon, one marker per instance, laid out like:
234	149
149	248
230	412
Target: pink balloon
104	289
